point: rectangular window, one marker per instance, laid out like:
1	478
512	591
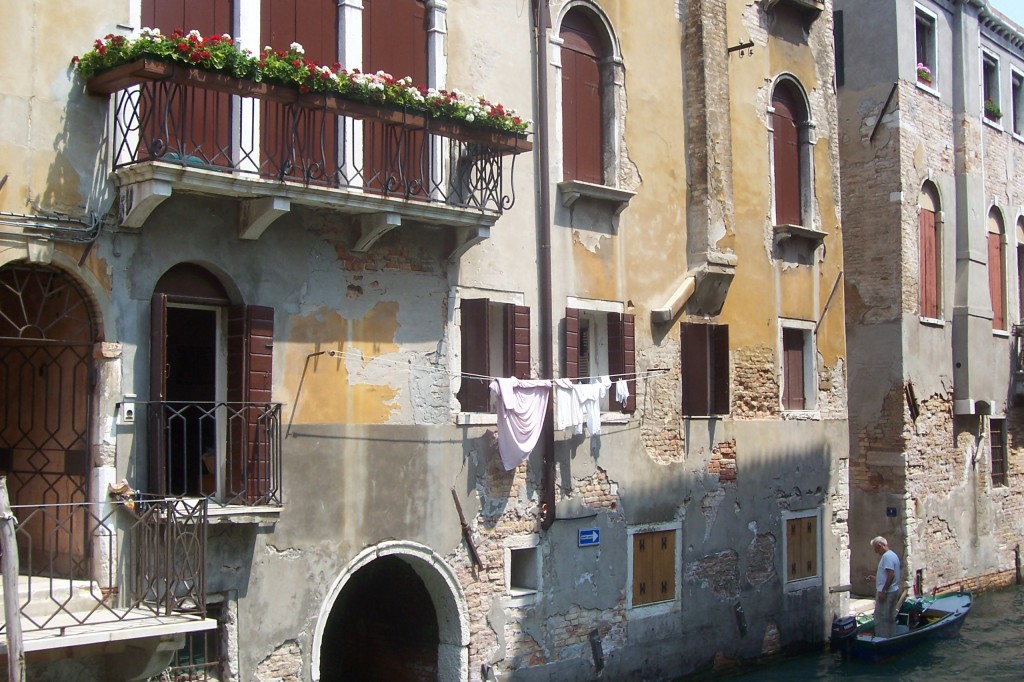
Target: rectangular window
705	369
928	275
198	660
839	46
654	567
997	447
495	342
802	551
1017	103
797	367
926	72
523	571
601	344
990	87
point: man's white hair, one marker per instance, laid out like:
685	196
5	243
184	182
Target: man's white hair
879	541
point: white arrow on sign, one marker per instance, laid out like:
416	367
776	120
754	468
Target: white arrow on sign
589	537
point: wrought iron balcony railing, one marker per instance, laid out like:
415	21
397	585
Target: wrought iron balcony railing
94	564
196	119
227	451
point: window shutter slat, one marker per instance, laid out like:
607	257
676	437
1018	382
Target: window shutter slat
693	340
787	160
572	343
157	393
474	394
517	327
928	275
259	381
622	354
720	368
995	280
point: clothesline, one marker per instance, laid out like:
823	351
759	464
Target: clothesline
437	367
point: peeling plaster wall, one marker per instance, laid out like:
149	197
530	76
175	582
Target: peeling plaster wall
933	472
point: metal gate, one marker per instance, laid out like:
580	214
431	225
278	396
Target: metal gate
46	337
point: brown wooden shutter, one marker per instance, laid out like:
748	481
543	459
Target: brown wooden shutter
788	209
395	41
654	567
259	377
928	276
793	397
582	127
809	546
157	394
719	345
622	354
794	551
995	280
572	344
475	392
643	569
693	340
208	135
517	341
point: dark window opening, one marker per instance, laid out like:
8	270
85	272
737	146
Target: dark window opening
990	84
199	660
794	359
925	49
1017	102
705	369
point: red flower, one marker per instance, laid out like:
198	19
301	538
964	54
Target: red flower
196	56
262	64
182	47
336	66
517	120
324	75
280	54
206	54
296	63
102	49
75	59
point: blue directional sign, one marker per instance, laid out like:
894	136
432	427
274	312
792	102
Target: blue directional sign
588	537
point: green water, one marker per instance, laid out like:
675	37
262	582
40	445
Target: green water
990	646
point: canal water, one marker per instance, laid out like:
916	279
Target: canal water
990	646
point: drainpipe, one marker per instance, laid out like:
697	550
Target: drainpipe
542	21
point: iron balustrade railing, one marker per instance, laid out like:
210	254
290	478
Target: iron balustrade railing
274	133
227	451
95	563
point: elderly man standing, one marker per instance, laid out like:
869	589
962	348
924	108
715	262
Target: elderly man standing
887	585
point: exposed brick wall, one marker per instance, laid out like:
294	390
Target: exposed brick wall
755	384
718	572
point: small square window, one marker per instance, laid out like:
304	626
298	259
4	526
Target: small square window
803	549
926	72
199	658
522	568
653	565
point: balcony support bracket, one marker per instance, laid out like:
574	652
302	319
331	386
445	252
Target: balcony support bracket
466	237
373	227
137	201
256	215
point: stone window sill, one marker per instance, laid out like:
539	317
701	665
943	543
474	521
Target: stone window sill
932	321
989	122
928	89
573	190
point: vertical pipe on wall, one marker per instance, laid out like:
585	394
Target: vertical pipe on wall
542	22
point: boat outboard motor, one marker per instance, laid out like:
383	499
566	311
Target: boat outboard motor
843	632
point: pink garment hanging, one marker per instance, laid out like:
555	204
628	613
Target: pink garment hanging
522	405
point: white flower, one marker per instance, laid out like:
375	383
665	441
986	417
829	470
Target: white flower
470	118
227	36
195	34
296	47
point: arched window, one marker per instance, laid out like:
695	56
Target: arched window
1020	270
996	269
790	155
584	48
929	253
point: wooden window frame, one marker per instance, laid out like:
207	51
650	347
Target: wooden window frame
788	88
990	85
997	268
929	223
999	471
1016	102
615	333
479	315
806	368
805	578
647	606
927	22
704	369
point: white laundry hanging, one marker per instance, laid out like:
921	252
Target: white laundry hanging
522	405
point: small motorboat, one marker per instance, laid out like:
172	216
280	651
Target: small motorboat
918	619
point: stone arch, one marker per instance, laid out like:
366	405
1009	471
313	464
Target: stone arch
599	18
441	584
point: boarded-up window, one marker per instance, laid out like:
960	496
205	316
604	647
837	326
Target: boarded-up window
621	349
786	123
495	342
582	127
997	447
928	255
705	369
793	369
801	548
654	567
996	271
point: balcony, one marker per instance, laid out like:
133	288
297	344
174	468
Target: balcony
98	573
226	452
268	146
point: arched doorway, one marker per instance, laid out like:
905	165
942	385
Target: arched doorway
396	613
46	339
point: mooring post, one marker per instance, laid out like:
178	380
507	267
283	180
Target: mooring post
9	565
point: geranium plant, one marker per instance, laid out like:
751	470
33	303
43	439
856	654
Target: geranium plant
992	110
924	74
222	54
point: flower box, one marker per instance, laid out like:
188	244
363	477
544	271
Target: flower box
149	70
